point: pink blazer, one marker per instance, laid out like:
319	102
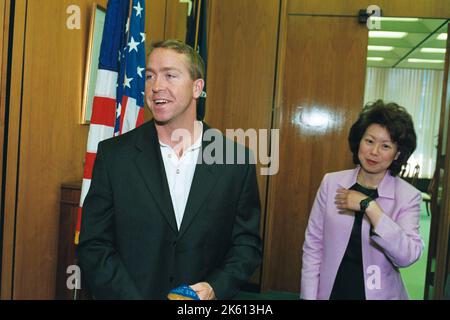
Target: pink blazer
395	243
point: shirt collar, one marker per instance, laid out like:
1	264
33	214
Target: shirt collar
196	145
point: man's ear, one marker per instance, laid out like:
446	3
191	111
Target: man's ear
199	84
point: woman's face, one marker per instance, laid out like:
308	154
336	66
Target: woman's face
377	150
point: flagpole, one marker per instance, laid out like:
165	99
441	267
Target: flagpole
197	24
130	12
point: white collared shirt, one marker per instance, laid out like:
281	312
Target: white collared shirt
179	173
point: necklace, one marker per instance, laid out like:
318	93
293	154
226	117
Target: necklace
362	182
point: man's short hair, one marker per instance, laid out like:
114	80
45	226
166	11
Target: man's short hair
196	64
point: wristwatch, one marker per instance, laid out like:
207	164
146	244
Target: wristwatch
365	203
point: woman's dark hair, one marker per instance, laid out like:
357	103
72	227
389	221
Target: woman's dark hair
397	122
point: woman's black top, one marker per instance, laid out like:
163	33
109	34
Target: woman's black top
349	282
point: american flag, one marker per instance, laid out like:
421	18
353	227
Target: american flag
118	105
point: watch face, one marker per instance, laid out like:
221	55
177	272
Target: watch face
365	203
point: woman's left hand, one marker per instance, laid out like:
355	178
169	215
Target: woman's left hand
348	199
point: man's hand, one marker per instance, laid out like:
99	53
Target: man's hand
204	291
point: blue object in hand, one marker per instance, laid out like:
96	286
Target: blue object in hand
183	292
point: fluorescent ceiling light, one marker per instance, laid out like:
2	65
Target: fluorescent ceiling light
425	61
433	50
375	58
442	36
395	19
387	34
380	48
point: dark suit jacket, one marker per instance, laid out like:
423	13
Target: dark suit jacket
130	246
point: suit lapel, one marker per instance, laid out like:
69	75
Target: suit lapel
205	177
151	167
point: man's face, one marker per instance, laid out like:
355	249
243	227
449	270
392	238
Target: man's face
170	92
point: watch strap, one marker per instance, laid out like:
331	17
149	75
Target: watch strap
365	203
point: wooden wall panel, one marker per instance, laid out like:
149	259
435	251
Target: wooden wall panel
155	29
241	68
395	8
324	75
241	54
176	20
155	18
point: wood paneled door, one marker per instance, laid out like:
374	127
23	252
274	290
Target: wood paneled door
320	93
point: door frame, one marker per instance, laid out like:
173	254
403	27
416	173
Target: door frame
443	216
15	12
4	50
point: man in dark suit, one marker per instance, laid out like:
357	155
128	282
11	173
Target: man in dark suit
156	216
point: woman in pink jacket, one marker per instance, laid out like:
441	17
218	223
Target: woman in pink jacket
364	224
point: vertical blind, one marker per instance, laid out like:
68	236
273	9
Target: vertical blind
419	91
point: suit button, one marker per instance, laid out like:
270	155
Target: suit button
174	243
171	279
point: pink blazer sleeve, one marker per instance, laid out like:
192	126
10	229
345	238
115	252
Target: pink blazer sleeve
400	239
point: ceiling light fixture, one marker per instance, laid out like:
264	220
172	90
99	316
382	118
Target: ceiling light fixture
433	50
442	36
380	48
387	34
412	60
395	19
375	58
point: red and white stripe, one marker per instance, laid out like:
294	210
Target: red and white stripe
101	128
